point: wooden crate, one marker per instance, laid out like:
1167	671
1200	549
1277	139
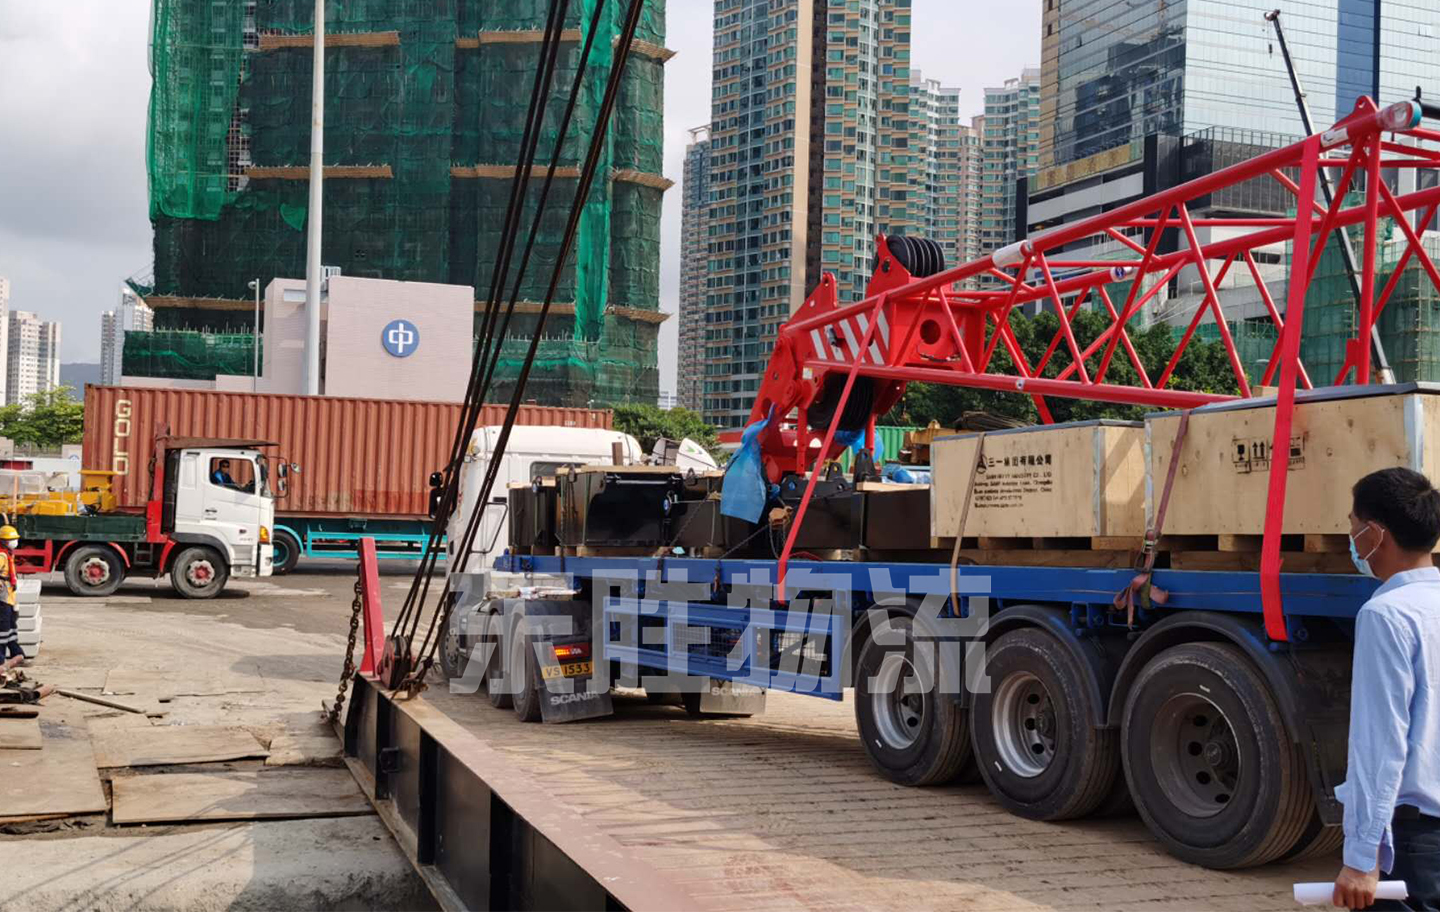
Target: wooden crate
1339	435
1071	480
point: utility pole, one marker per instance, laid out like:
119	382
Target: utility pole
313	267
1342	235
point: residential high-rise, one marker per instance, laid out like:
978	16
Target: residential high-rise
1009	153
803	143
426	106
936	194
32	356
967	240
133	315
694	260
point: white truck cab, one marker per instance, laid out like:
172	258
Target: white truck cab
219	505
531	452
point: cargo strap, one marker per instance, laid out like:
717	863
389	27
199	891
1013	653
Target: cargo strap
964	517
1140	586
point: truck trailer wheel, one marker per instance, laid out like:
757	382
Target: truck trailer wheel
1213	772
94	570
199	573
287	552
913	734
1034	740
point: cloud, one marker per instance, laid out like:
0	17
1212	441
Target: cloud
74	89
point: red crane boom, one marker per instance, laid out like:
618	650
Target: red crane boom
836	368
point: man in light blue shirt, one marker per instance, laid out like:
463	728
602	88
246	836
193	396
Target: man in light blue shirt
1392	788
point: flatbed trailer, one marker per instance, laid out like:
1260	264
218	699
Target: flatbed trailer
656	809
1233	742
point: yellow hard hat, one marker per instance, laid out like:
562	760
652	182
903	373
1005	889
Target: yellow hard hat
8	533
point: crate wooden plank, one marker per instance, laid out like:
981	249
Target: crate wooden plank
1222	479
164	745
59	779
1068	481
259	795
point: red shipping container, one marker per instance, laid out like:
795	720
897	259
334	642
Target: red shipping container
357	457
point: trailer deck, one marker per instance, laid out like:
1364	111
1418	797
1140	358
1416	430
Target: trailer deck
651	808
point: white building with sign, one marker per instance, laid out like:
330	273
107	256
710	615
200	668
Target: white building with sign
380	339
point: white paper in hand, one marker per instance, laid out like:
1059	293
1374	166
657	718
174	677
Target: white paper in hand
1316	894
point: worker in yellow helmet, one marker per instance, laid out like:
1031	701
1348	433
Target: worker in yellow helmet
9	636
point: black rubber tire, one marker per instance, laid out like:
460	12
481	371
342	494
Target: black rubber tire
495	685
1085	761
857	408
1266	811
453	650
941	747
287	552
75	575
219	573
1317	840
527	697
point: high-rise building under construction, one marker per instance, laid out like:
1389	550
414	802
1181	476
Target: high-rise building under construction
426	103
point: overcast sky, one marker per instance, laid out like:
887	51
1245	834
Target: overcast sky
74	87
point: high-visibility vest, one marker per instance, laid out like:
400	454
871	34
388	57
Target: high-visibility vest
7	573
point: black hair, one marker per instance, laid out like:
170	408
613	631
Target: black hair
1404	502
224	462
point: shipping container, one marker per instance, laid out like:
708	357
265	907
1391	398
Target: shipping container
358	458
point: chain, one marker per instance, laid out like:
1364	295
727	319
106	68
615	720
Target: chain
349	670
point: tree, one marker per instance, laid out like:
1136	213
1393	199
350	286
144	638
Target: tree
45	420
648	423
1204	367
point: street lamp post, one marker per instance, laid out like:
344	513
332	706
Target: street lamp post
255	336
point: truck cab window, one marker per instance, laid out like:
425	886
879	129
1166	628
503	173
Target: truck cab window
232	472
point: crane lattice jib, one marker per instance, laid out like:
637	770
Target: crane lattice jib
933	330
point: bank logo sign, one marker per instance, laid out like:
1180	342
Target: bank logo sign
400	338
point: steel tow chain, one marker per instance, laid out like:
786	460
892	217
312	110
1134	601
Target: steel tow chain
348	671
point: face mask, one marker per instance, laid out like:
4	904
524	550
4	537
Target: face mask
1363	563
12	544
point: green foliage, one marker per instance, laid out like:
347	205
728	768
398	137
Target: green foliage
648	423
1204	367
45	420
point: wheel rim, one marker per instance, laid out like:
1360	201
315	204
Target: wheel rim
1022	717
450	648
200	573
1195	755
281	553
898	702
95	571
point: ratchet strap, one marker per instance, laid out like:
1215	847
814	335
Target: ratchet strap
1140	586
964	517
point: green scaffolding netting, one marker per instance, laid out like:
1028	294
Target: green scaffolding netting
442	105
187	355
1409	325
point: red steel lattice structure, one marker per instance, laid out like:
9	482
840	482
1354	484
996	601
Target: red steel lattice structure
910	329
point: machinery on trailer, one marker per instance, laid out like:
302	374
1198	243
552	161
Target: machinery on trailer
210	515
1214	699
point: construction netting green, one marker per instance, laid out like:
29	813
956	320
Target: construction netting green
187	355
1409	325
425	108
195	62
1254	342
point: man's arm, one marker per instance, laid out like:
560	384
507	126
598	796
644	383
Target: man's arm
1382	685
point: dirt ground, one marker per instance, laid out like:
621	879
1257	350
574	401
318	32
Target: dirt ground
264	655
